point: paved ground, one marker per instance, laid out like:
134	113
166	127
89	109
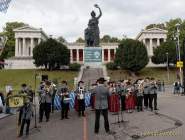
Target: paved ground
145	124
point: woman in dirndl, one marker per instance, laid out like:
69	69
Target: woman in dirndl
130	101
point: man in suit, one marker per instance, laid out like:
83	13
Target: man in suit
101	105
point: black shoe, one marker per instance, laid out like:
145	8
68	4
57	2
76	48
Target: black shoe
47	120
66	117
96	132
40	121
27	134
156	109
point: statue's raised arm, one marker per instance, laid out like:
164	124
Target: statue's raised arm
96	5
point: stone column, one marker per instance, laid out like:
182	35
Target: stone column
83	55
151	48
108	55
77	55
24	47
39	40
102	55
71	55
32	46
16	47
144	41
158	42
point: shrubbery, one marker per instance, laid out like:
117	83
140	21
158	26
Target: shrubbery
74	66
111	66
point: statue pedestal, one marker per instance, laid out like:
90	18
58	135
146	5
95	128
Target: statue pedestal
93	56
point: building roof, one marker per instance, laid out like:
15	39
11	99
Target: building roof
28	28
152	30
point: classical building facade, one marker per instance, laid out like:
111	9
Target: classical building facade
152	38
28	37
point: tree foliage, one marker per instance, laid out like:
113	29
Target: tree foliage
109	39
131	55
61	39
160	25
160	53
80	40
51	54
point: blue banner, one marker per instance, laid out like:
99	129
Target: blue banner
57	100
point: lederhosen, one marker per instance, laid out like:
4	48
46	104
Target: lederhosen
64	104
81	101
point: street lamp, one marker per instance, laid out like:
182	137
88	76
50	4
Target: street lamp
167	66
178	49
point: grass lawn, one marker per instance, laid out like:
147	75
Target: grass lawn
157	73
17	77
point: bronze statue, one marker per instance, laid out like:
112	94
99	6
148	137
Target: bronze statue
92	33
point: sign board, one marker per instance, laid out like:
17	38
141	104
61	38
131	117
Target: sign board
16	101
179	64
92	54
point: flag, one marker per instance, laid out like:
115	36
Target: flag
4	4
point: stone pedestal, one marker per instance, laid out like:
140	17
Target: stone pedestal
93	56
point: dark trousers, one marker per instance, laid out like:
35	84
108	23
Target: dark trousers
146	100
81	107
27	122
52	104
155	101
64	110
45	108
151	99
123	102
97	119
140	103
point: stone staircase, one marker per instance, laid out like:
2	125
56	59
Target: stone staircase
90	75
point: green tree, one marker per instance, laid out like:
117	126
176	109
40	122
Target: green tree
160	25
160	56
80	40
131	55
9	49
51	54
109	39
61	39
106	39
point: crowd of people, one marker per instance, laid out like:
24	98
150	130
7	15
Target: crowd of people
125	95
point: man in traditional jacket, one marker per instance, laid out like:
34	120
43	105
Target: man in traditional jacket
45	96
25	115
101	105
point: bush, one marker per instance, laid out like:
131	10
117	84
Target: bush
74	67
111	66
131	55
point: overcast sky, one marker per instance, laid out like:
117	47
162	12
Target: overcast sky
69	18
